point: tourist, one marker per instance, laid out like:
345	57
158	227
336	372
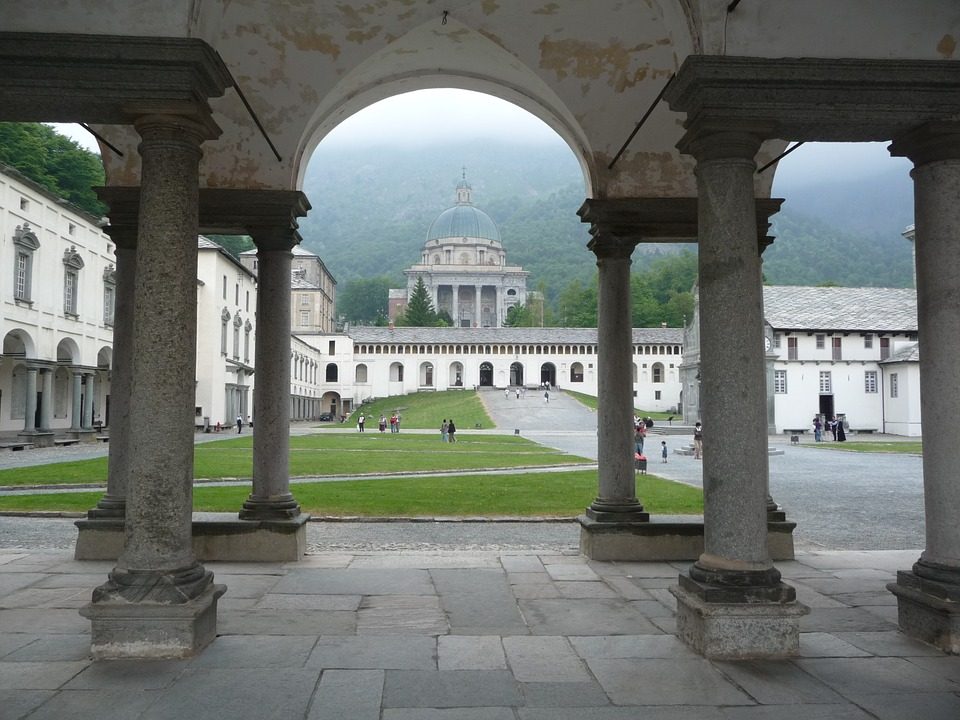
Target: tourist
546	397
697	441
393	423
663	451
239	424
506	393
452	431
360	421
396	425
444	428
383	423
817	429
640	433
841	436
832	425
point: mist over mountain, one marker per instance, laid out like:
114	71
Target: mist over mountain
373	207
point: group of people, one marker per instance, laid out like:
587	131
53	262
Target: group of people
382	424
448	431
834	425
640	428
521	392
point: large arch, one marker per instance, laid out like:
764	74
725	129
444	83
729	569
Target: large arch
19	343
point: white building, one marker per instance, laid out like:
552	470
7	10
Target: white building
56	314
850	352
373	362
226	336
464	268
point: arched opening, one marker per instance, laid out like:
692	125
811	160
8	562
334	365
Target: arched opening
360	374
516	373
456	374
396	372
486	374
333	372
548	374
657	371
576	373
332	404
426	374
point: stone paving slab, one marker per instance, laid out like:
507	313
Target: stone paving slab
348	695
456	688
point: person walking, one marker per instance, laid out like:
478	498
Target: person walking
698	441
393	423
663	451
452	431
383	423
445	431
546	397
360	421
239	424
817	429
639	435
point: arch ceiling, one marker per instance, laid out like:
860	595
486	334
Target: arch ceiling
588	69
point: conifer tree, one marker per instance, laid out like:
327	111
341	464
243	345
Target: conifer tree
419	312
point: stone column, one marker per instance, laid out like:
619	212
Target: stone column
731	603
114	501
30	409
46	404
928	596
456	305
89	396
271	497
616	498
478	311
498	305
157	570
77	401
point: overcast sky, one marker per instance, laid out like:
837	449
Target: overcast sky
447	114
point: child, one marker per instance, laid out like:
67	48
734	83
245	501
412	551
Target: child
663	450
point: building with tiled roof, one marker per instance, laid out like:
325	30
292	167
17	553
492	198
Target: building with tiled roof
372	362
850	352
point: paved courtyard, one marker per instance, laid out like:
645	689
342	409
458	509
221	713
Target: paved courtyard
497	621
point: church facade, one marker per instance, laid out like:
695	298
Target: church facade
464	268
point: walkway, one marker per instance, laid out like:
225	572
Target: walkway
387	621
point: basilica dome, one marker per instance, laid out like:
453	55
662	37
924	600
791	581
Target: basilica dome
463	220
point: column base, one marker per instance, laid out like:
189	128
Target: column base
737	630
39	438
85	435
152	629
217	537
657	540
617	513
928	610
282	508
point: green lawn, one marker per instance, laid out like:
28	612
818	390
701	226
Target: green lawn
908	447
523	494
427	410
591	402
326	454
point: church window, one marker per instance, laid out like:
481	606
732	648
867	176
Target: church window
780	381
332	372
826	382
894	385
870	381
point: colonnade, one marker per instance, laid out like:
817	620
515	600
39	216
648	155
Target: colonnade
731	602
39	397
477	320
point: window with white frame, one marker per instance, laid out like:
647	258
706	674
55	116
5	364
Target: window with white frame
109	295
224	321
884	348
776	340
821	341
894	385
72	263
304	317
780	381
25	244
870	381
826	381
868	341
792	353
837	343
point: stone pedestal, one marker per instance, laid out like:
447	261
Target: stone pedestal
39	439
737	631
153	629
217	537
928	610
660	541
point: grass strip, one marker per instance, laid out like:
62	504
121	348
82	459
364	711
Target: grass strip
591	402
902	448
427	410
555	494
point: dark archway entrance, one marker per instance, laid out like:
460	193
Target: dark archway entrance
548	374
516	374
486	374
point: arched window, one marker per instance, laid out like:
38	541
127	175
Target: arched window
396	372
657	371
361	373
576	373
426	374
25	244
332	372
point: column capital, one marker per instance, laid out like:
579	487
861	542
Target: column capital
607	246
124	210
928	143
160	125
710	139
